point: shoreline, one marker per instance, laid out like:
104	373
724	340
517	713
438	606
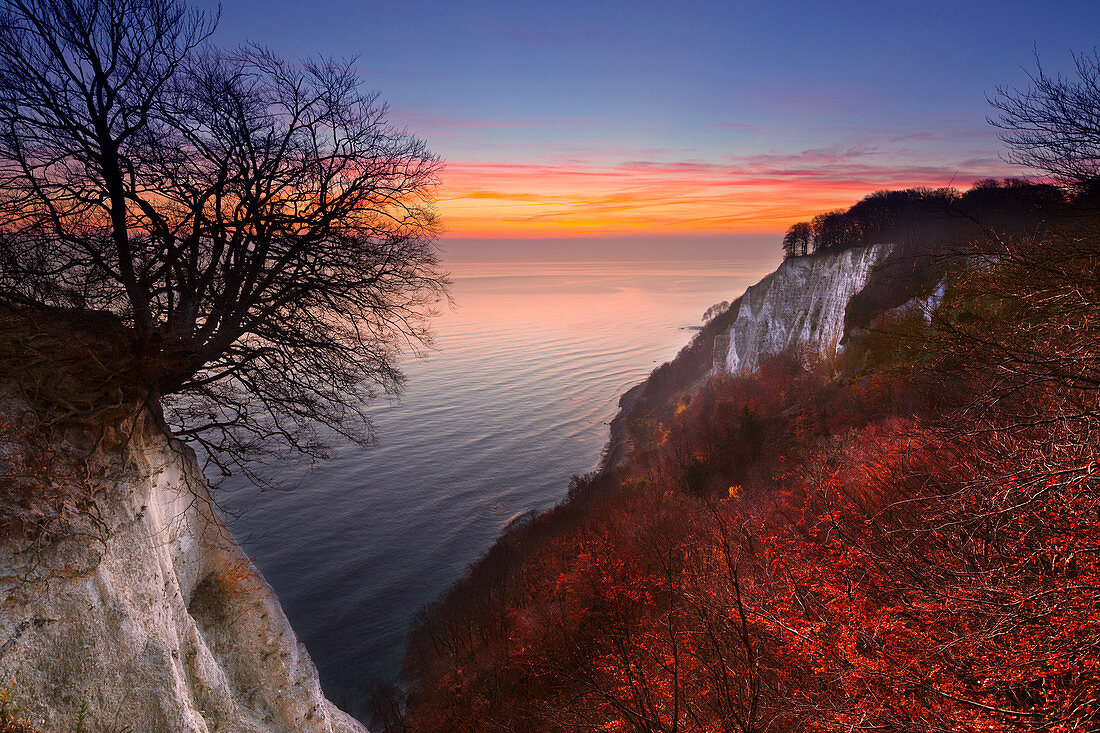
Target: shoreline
618	445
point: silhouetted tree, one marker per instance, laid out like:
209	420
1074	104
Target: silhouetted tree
1054	126
1012	205
789	247
259	230
796	243
833	230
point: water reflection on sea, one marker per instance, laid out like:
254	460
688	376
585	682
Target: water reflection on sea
514	398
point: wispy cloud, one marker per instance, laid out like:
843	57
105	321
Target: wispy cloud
432	122
435	124
740	125
762	192
804	102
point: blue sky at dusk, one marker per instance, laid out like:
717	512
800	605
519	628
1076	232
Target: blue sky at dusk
576	118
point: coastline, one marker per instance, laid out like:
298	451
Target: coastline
618	442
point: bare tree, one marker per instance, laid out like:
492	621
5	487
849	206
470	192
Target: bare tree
262	234
789	246
1054	126
796	242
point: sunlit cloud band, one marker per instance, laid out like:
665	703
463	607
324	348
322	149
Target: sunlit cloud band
759	193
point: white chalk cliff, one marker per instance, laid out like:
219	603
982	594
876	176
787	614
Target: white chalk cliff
148	615
800	307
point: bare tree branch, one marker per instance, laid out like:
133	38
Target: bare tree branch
262	232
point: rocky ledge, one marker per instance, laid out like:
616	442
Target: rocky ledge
124	600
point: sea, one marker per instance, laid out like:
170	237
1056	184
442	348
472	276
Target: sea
513	397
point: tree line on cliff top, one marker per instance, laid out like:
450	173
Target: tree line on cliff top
926	215
1050	127
904	539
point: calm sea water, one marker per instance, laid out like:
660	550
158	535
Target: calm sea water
513	399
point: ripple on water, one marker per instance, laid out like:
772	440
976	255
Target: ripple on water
512	401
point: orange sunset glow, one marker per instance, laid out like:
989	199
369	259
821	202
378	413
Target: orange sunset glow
763	193
496	366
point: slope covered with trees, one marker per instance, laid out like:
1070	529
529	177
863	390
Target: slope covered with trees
909	546
906	539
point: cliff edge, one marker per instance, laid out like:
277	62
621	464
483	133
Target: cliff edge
123	596
801	306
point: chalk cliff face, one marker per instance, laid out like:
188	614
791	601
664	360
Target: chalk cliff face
146	612
799	306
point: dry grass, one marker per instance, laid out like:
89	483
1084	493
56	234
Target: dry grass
70	388
18	726
69	365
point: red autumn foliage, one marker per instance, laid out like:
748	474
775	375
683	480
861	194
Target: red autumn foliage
909	545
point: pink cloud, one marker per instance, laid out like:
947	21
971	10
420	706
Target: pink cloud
760	192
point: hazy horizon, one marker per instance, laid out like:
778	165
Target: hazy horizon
612	248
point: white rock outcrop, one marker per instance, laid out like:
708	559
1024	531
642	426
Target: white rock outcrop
800	307
151	618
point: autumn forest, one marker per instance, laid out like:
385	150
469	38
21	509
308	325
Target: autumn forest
864	497
903	539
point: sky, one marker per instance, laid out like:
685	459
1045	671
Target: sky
582	118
